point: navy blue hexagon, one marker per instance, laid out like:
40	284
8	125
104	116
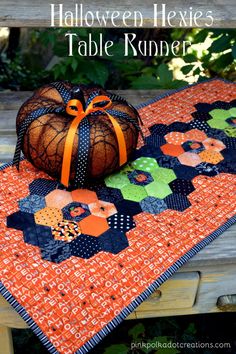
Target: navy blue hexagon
193	146
19	220
85	246
122	222
128	207
168	161
56	251
148	151
155	140
31	203
42	186
217	134
230	143
113	241
199	124
37	235
159	129
153	205
179	127
108	194
177	202
185	172
140	178
207	169
181	186
75	211
228	164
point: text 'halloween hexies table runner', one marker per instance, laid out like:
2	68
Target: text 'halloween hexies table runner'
75	264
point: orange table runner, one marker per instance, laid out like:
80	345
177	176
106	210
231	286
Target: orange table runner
75	263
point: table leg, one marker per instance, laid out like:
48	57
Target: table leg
6	343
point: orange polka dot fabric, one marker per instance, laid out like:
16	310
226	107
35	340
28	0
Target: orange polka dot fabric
48	216
74	264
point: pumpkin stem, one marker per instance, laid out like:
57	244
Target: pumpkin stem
78	94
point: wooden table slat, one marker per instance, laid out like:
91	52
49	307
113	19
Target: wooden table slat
33	13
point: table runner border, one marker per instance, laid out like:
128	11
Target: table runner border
172	92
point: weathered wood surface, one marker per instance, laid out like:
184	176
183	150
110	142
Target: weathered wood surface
34	13
221	251
214	282
178	293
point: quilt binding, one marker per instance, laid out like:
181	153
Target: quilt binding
92	342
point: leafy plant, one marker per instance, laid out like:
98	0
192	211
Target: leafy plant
140	343
15	75
182	329
115	71
75	68
217	58
161	78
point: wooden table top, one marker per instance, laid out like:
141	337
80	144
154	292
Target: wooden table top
34	13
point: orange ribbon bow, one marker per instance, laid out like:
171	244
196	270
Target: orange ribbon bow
79	114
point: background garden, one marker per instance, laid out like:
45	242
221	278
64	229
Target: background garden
201	329
30	58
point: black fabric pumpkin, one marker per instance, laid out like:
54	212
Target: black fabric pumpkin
43	140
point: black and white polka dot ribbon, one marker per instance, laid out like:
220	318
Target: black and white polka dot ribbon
81	168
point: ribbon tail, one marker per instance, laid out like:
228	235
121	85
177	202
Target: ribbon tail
16	158
83	153
138	115
142	135
120	139
137	127
140	120
67	155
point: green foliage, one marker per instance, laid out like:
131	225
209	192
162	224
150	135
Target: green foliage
136	331
15	75
120	72
165	330
115	71
218	59
162	78
140	343
117	348
26	342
